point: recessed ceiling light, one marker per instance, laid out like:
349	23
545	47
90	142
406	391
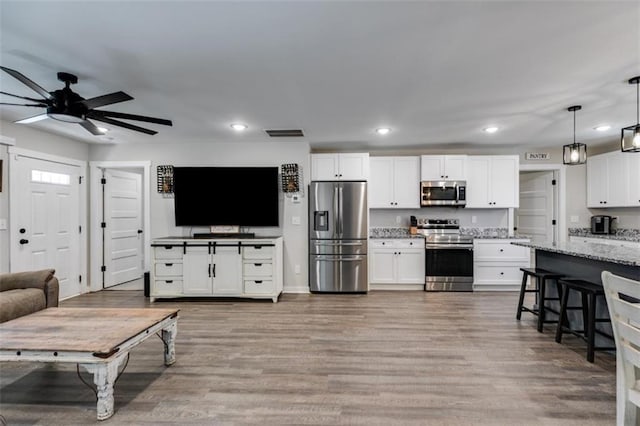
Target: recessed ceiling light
491	129
383	130
239	127
103	129
602	128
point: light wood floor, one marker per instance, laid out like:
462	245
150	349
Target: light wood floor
386	358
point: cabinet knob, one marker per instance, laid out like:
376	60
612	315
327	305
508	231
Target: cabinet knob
501	250
501	273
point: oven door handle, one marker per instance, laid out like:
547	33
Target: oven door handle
450	247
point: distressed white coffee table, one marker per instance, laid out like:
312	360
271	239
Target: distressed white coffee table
98	340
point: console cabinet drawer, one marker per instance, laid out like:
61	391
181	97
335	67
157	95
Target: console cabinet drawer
258	286
168	269
498	274
258	269
168	252
258	252
168	287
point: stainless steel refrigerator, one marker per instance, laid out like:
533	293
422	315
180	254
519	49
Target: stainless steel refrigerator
338	230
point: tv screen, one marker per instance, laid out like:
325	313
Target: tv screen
244	196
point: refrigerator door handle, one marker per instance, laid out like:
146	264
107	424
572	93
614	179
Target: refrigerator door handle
337	244
340	209
336	211
339	259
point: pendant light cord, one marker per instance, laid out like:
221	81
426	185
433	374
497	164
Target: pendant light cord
574	126
638	102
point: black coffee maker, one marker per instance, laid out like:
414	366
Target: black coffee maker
602	224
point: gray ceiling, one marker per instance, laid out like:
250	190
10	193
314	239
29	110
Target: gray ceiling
436	72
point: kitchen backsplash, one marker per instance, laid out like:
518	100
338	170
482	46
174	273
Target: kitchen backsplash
400	232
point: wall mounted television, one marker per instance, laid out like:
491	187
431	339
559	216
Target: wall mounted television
243	196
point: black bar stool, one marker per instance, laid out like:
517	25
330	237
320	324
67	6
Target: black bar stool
541	276
589	293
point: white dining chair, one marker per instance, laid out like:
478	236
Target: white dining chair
625	321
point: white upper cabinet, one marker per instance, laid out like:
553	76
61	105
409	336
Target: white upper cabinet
394	182
633	173
351	166
439	167
493	181
613	180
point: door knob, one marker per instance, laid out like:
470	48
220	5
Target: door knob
139	231
24	241
22	230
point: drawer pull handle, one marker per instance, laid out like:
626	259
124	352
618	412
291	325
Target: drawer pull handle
501	250
168	281
257	264
258	282
501	273
168	264
168	247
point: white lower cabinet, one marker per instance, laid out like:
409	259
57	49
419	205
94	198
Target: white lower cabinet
497	263
396	264
217	268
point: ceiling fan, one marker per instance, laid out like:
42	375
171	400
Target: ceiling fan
66	105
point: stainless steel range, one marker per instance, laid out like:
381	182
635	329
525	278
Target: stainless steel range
448	255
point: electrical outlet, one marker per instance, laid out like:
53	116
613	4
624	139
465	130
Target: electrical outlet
295	220
575	219
474	219
296	269
398	220
3	224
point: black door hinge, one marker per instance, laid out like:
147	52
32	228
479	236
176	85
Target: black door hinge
553	222
79	278
553	181
80	229
103	181
103	225
80	180
103	268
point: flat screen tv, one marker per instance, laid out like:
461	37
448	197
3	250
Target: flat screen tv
208	196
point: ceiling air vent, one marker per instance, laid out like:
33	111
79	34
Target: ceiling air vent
285	133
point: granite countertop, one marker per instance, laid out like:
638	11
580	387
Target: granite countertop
501	237
595	251
620	234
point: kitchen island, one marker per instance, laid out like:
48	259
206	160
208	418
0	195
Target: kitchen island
585	261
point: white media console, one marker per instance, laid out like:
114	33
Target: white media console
223	267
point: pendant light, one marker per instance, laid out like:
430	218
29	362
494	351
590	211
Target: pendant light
630	139
574	153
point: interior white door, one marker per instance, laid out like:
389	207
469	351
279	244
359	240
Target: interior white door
122	217
45	220
536	211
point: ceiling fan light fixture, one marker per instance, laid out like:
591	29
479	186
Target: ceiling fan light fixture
602	128
491	129
574	153
103	129
239	127
630	136
67	118
383	130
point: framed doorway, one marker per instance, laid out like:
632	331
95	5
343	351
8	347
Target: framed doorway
101	197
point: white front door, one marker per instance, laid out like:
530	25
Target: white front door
45	220
535	215
122	220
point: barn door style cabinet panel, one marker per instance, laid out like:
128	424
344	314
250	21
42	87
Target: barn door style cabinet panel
351	166
186	267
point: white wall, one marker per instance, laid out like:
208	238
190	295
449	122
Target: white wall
196	153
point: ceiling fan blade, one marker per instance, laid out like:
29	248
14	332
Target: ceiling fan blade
109	99
100	113
24	97
92	128
30	105
32	119
27	82
125	125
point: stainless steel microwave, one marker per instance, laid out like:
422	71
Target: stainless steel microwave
443	193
